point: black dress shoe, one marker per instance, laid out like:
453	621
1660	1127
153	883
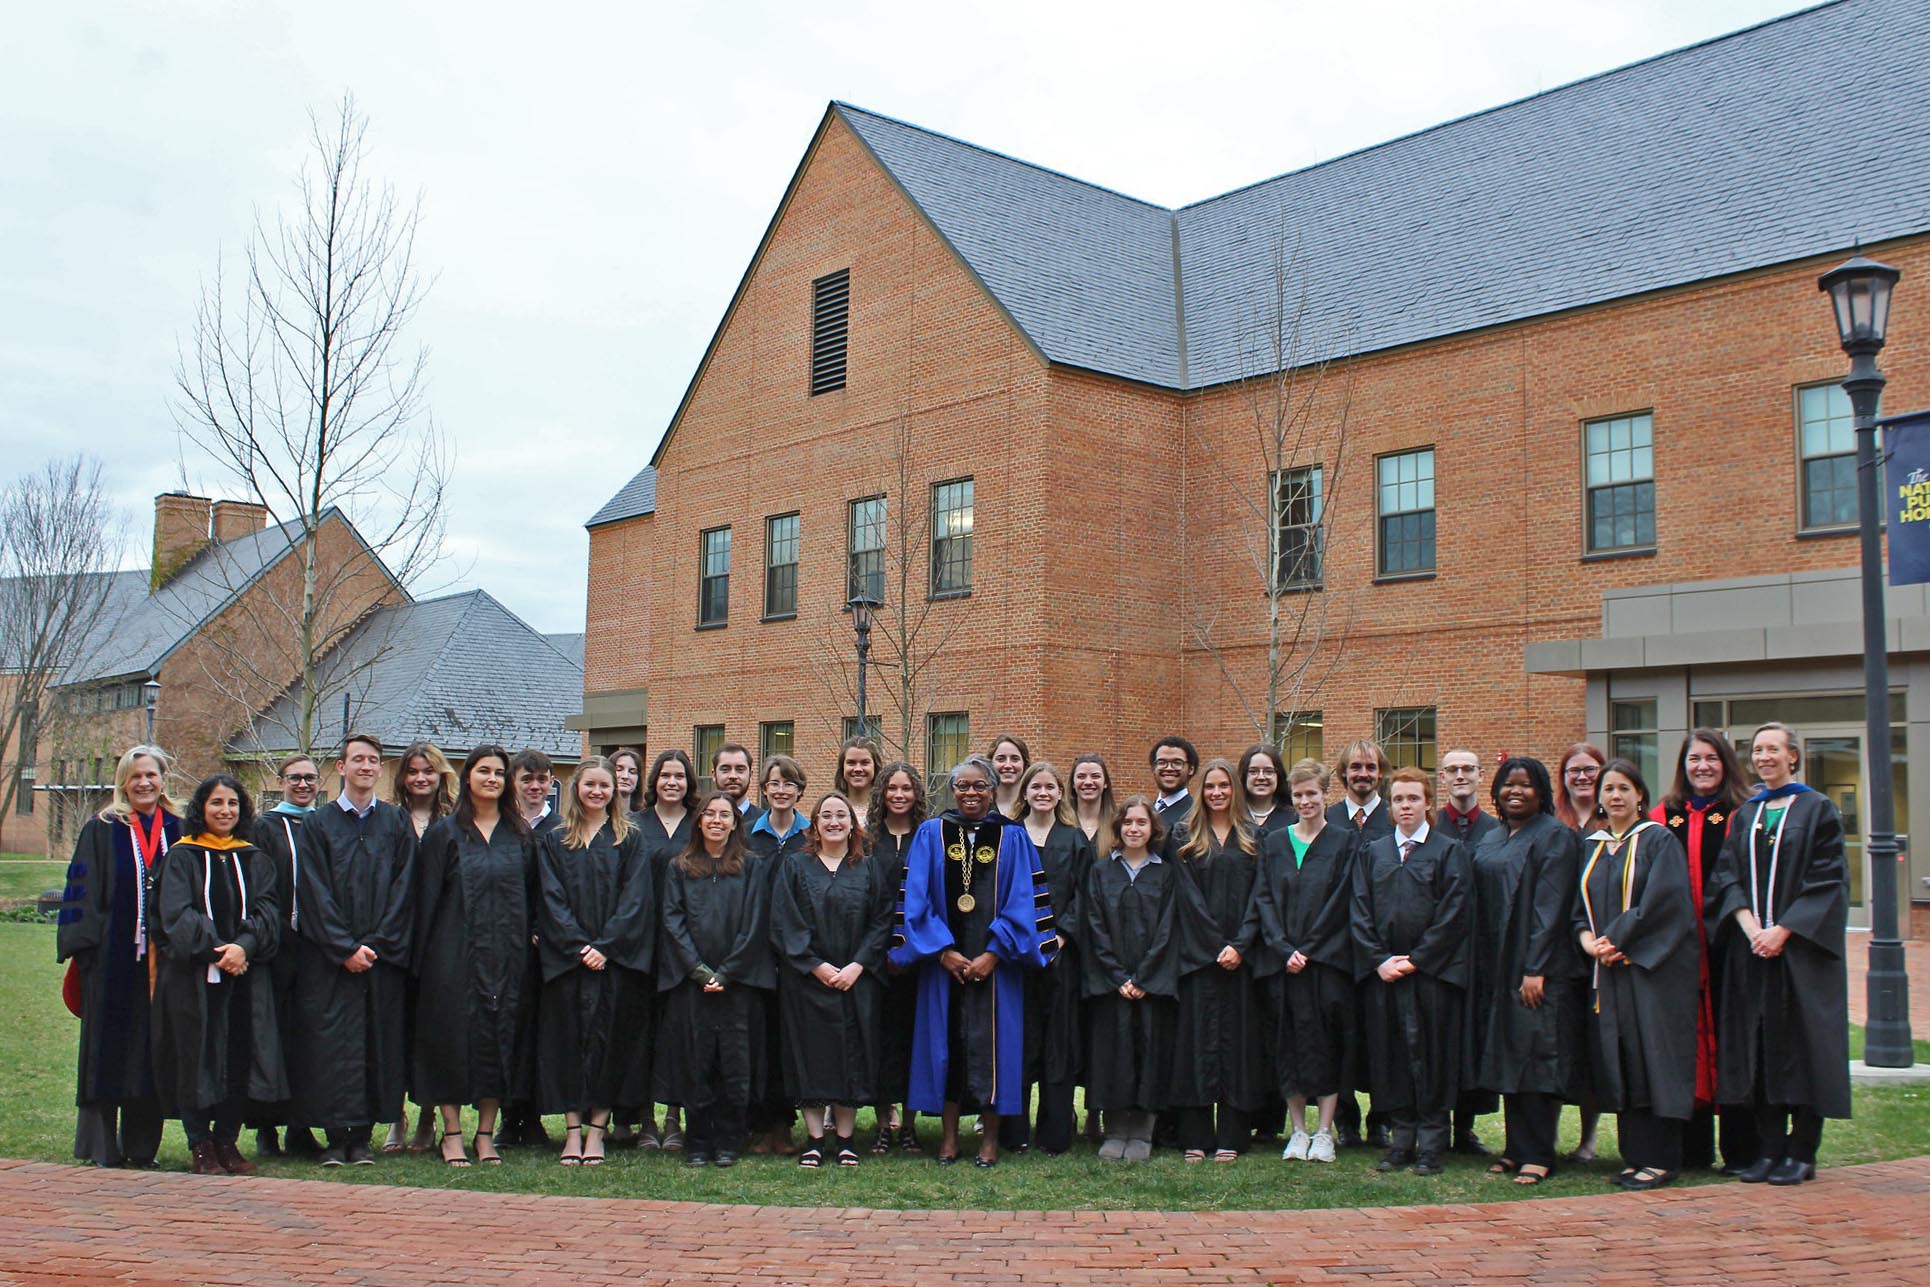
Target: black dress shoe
1758	1171
1428	1164
1790	1171
724	1159
1379	1137
334	1156
1647	1178
1396	1160
266	1145
1731	1170
695	1158
1346	1137
360	1154
508	1134
1470	1145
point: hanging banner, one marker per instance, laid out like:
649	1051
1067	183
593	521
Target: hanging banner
1906	475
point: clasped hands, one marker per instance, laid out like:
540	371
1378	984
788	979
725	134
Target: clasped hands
965	969
841	980
1766	943
231	959
1394	968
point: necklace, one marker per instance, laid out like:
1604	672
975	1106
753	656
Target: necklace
968	853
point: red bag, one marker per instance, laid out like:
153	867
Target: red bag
70	988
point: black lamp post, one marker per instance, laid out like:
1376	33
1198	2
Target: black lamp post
861	605
1860	291
150	698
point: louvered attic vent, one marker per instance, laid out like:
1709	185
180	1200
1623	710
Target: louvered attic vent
830	330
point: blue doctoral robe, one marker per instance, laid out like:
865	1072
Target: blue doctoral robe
1013	937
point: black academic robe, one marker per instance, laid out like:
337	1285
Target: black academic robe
1469	831
1306	908
1379	823
102	910
1279	820
1126	934
1415	1025
1524	885
279	836
831	1039
593	1027
1791	1010
1054	1035
357	889
1216	1037
204	898
900	1009
474	920
659	846
710	1045
1641	1022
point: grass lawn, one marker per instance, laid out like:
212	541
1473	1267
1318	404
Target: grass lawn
24	878
36	1121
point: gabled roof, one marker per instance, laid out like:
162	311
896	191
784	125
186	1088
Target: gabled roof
138	630
570	645
1786	140
638	497
459	671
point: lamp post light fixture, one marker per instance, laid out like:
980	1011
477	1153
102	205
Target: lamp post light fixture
1860	290
861	605
150	698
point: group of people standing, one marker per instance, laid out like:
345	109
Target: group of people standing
1224	959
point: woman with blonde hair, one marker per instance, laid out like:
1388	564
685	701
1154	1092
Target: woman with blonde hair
424	786
1054	1044
103	936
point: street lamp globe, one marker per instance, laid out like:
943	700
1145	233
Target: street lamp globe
1859	289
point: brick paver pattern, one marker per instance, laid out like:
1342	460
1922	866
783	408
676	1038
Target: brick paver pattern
68	1225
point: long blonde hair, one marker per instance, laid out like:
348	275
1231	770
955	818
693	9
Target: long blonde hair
1199	838
1063	812
577	832
119	807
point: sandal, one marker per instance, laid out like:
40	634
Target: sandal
493	1159
1503	1166
572	1147
461	1159
847	1155
1533	1173
602	1131
1195	1155
1649	1177
882	1145
813	1155
1226	1155
908	1139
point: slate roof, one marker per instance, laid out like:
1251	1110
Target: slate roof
570	646
137	629
459	671
638	497
1785	140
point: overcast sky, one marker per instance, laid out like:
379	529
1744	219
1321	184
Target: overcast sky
594	179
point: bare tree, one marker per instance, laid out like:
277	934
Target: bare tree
300	390
60	541
906	643
1281	493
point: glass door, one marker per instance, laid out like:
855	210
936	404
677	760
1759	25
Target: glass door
1833	765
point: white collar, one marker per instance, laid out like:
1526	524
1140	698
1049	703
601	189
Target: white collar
1418	838
1355	810
1168	801
348	807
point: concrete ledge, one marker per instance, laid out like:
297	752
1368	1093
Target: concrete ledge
1861	1074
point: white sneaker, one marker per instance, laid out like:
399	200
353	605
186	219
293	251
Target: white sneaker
1296	1149
1322	1147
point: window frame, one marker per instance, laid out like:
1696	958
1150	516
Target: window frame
1418	573
1293	726
772	568
852	554
1637	740
1313	528
705	739
705	578
1849	526
1591	490
1387	734
935	771
769	732
943	546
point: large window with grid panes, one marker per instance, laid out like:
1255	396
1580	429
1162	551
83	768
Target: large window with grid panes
1618	456
1406	733
1404	513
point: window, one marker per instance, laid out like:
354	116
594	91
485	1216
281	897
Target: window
1301	734
830	330
951	538
780	566
1296	512
704	741
1404	502
713	597
1826	446
874	727
778	737
24	768
947	741
1621	483
1407	733
865	543
1632	736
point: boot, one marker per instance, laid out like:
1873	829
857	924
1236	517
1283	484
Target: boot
205	1160
231	1159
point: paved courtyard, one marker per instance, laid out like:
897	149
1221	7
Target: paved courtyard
68	1225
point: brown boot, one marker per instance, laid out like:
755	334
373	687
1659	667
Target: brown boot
231	1159
206	1162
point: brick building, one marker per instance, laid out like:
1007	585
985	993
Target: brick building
1560	451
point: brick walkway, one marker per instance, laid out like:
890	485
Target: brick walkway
70	1225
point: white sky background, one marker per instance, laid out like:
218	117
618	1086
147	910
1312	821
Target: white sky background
595	179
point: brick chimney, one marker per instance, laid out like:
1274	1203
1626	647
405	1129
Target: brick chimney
180	532
238	518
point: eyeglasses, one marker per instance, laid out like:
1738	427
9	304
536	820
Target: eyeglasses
302	777
970	788
1580	774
